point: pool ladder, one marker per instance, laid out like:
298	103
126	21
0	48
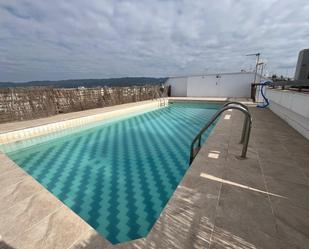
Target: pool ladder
162	100
245	130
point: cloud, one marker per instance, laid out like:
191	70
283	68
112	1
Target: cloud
101	38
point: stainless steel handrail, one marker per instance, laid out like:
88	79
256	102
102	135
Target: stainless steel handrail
246	128
164	100
236	103
245	120
156	96
161	98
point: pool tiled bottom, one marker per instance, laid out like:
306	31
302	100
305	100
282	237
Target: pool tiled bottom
119	176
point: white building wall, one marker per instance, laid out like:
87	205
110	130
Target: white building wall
178	86
213	85
203	86
291	106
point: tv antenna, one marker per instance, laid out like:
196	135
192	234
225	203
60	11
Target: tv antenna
257	63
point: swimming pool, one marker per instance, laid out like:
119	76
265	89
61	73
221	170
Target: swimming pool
118	176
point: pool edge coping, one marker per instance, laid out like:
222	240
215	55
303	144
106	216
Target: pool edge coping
36	130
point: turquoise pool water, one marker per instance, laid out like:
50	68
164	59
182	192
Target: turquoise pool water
118	176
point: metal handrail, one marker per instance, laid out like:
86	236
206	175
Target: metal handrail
164	100
245	120
246	128
236	103
161	98
156	96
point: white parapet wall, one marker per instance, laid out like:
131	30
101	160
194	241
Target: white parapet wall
213	85
291	106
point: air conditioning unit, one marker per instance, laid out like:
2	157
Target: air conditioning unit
302	67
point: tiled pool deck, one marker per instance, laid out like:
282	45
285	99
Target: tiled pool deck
222	202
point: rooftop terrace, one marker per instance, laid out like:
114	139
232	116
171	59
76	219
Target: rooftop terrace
222	202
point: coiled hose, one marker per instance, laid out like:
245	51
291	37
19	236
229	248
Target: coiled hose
265	102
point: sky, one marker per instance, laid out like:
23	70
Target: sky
71	39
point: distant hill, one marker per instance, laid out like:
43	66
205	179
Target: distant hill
127	81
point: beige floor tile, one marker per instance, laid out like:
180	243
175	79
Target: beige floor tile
25	214
57	231
292	222
6	164
245	216
295	193
18	192
287	170
11	177
91	240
